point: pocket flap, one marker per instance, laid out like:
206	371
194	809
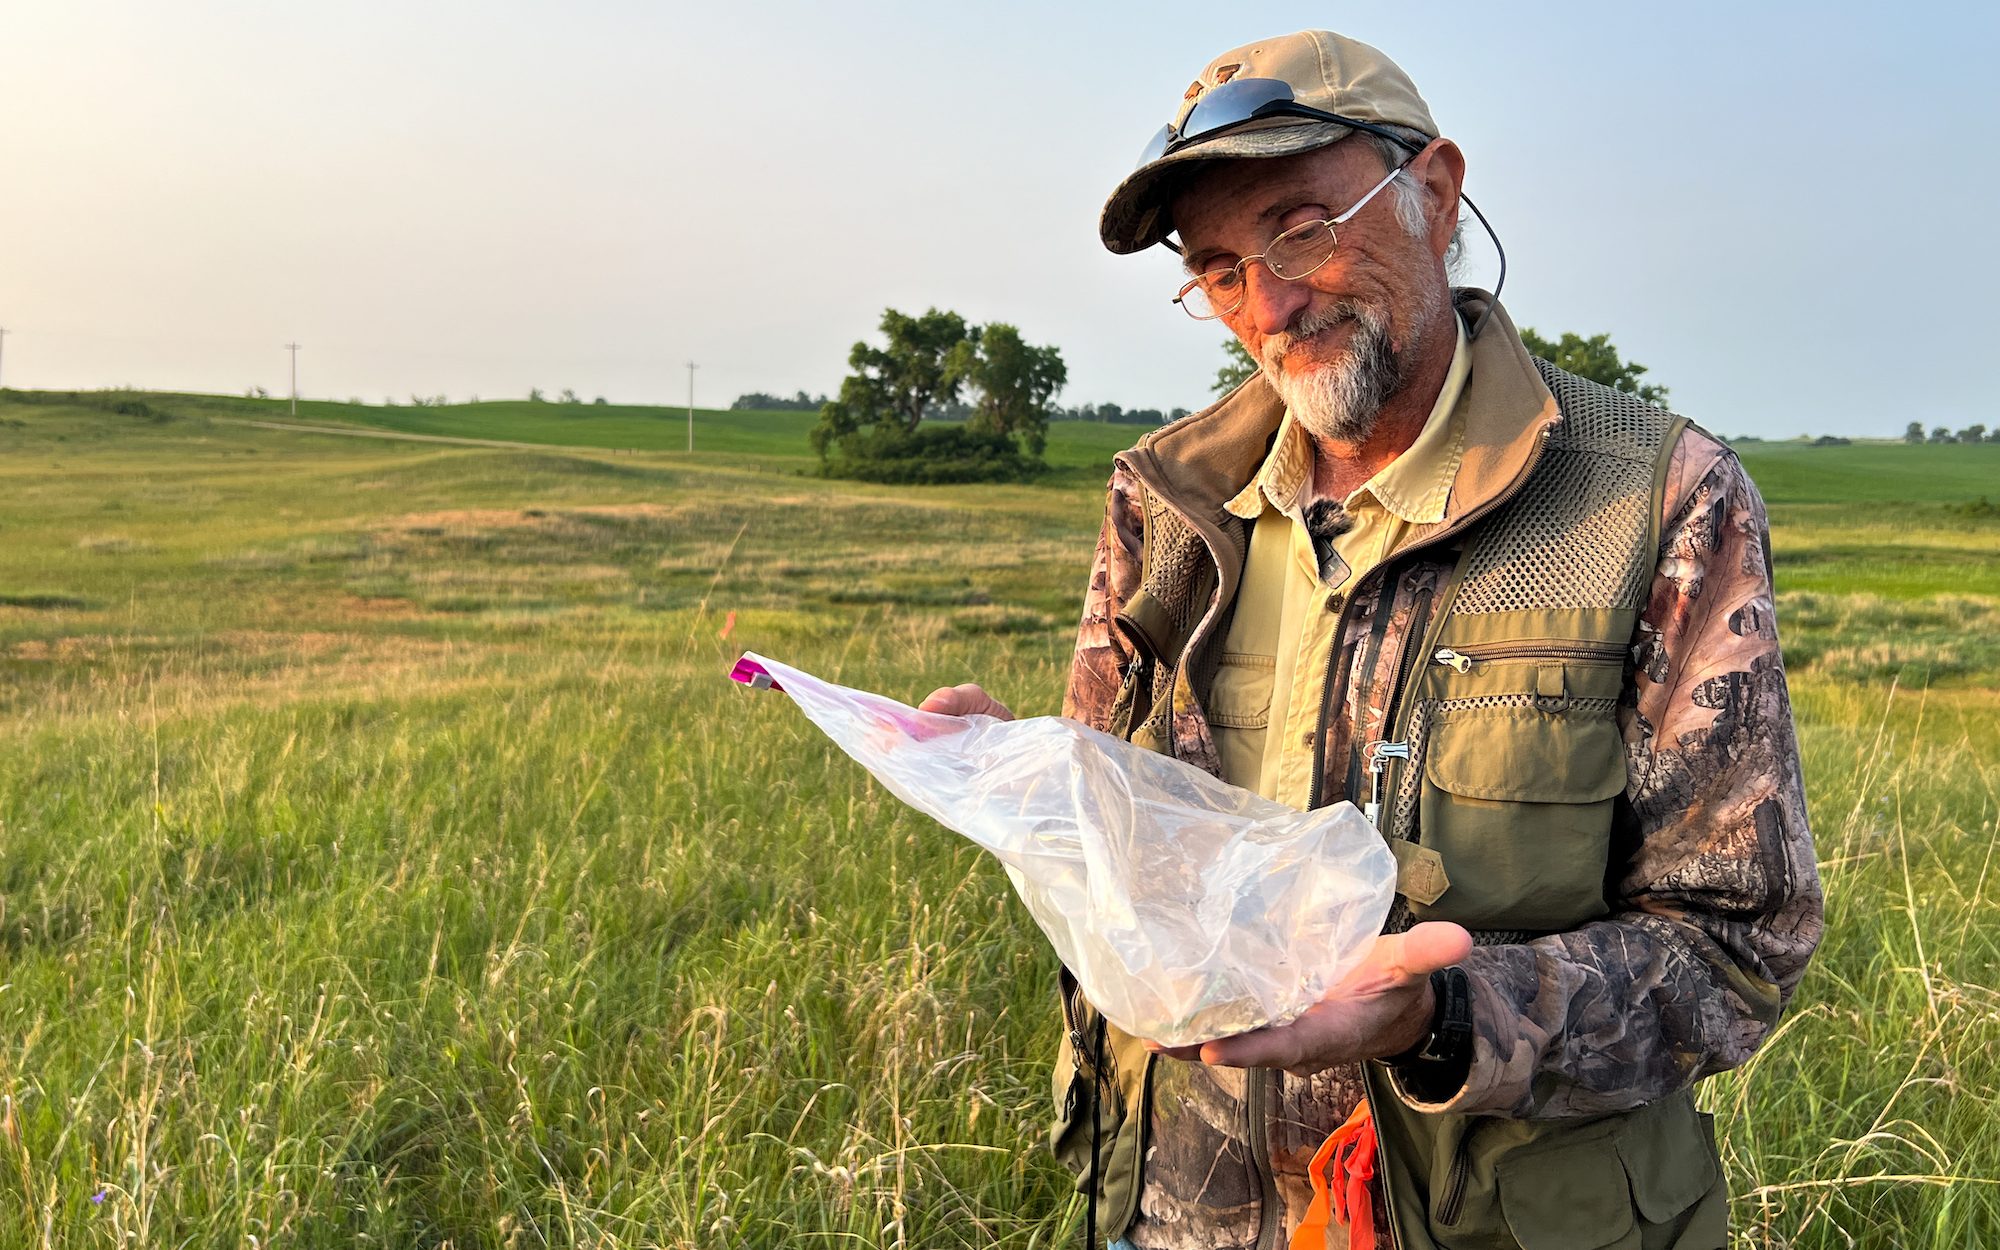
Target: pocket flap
1572	1198
1241	696
1671	1161
1518	755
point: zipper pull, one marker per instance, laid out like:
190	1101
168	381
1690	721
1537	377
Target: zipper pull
1457	660
1379	756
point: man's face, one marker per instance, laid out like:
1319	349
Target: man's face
1341	340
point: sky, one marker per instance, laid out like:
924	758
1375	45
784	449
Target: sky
1778	208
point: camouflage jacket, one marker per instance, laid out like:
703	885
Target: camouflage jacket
1587	1036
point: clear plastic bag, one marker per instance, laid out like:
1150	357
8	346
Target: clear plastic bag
1187	908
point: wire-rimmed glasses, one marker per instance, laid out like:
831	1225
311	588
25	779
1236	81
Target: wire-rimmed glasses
1292	255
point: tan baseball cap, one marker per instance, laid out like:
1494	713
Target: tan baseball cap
1325	71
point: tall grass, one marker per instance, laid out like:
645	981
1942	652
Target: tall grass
385	861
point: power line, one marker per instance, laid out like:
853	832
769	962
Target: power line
692	366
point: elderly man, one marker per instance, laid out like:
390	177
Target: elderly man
1525	622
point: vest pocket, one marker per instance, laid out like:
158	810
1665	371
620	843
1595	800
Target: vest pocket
1125	1090
1649	1177
1653	1180
1516	798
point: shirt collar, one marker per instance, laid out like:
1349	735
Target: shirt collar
1415	485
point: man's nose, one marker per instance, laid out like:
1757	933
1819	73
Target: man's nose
1269	301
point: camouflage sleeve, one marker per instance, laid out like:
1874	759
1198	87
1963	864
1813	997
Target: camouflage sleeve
1097	668
1717	905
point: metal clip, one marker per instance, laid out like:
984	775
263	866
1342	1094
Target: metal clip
1379	756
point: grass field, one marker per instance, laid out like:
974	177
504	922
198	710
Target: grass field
385	861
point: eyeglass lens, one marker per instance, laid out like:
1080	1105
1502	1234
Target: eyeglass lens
1291	256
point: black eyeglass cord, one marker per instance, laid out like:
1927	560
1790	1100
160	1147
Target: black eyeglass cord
1498	282
1096	1136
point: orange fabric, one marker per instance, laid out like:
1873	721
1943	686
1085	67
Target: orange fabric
1340	1191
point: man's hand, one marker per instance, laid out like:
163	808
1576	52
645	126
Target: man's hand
1381	1008
965	700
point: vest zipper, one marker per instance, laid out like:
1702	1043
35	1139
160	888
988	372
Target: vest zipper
1072	1002
1316	790
1385	750
1461	659
1454	1184
1256	1098
1370	664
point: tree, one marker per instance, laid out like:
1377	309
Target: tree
1914	432
599	402
870	430
535	395
568	396
892	387
1237	366
1941	435
1595	358
1972	434
1015	381
758	401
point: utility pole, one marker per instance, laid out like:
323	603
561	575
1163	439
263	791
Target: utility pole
692	366
293	348
3	339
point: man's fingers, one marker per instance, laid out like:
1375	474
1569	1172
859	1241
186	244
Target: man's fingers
1399	959
1260	1048
1425	948
964	700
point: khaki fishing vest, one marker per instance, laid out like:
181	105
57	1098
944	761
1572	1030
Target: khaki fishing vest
1503	773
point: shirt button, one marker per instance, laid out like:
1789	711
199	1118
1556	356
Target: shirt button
1334	600
1306	738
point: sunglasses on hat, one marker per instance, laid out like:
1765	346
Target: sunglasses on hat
1241	101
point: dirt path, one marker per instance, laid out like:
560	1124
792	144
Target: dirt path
357	432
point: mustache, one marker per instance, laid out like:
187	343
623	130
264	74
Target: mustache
1314	323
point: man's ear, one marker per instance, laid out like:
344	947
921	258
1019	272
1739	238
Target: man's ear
1440	170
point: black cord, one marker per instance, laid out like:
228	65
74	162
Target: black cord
1096	1137
1499	282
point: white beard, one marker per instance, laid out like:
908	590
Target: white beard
1340	401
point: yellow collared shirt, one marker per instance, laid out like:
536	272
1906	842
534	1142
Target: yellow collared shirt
1265	705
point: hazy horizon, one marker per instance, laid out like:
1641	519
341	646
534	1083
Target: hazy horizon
479	199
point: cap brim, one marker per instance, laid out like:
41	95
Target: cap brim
1136	217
